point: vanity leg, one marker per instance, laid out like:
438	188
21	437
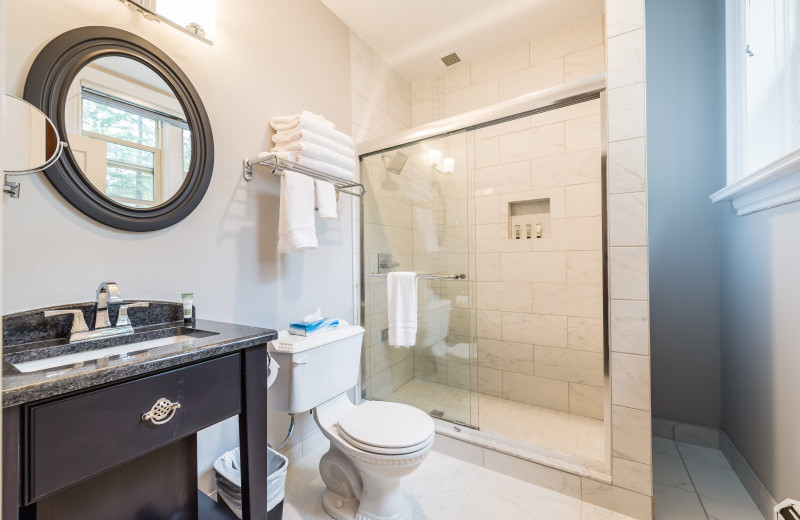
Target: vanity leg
253	433
12	474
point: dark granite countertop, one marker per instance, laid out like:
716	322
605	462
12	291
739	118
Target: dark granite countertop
208	339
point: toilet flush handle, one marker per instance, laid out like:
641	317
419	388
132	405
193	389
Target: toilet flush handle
299	362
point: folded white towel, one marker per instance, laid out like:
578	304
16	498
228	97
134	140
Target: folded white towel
324	167
294	118
326	200
296	227
401	288
320	153
313	125
306	136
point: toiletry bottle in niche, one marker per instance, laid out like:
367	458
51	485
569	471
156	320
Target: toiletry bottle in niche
538	230
517	229
528	231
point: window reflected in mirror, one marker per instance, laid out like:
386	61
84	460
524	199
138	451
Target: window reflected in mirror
128	132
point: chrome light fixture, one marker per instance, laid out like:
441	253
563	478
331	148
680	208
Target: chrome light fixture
193	17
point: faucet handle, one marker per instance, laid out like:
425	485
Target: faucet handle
122	319
78	321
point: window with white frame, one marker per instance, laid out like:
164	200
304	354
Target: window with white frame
128	132
135	137
763	103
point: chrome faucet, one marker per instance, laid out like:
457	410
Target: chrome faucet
108	292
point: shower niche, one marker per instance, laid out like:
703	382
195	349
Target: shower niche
529	217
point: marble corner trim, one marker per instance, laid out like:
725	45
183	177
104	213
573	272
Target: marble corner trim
620	500
755	488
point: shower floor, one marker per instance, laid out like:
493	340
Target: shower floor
561	431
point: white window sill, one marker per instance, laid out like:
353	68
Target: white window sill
775	184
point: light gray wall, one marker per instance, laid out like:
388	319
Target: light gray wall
270	58
685	53
760	278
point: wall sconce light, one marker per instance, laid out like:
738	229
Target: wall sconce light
435	159
196	18
449	165
446	165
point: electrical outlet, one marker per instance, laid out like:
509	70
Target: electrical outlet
385	335
788	510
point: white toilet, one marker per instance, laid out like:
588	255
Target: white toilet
372	446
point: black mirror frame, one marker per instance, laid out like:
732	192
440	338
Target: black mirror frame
46	87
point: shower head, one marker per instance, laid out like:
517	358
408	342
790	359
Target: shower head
397	163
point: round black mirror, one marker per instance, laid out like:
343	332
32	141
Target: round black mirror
139	150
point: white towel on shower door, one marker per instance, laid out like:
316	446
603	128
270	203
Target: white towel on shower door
401	288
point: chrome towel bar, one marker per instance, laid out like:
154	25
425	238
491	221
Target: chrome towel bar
278	166
461	276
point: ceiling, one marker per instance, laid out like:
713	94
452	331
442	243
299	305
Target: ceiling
411	34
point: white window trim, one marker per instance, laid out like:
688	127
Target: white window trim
778	182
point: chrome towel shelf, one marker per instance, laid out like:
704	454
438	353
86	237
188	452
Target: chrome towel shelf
460	276
278	166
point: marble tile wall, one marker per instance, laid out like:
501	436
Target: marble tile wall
565	55
442	243
622	37
381	98
631	489
539	305
381	105
387	230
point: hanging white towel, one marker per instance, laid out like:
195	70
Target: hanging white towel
401	288
307	136
326	200
315	126
322	166
318	152
296	227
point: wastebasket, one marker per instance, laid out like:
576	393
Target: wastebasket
229	481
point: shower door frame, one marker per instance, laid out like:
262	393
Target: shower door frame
554	98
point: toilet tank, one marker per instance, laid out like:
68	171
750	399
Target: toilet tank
314	369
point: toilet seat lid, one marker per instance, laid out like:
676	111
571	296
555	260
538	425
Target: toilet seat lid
387	425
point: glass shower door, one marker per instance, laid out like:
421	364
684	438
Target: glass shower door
417	217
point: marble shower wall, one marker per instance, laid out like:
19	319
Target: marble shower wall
381	106
540	300
445	350
562	56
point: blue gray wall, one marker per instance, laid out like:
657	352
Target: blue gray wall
760	279
685	147
724	288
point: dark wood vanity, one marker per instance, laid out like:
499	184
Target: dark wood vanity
78	445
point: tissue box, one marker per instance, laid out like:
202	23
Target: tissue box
302	328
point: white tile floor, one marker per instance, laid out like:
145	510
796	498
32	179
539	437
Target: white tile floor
696	483
568	433
446	488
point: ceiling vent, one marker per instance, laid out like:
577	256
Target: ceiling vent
450	59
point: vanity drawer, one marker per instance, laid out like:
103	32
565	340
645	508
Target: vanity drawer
74	438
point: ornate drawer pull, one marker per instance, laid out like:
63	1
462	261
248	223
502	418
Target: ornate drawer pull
161	412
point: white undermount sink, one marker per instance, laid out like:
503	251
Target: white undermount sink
78	358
